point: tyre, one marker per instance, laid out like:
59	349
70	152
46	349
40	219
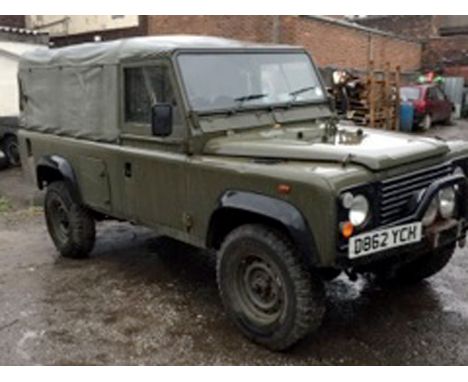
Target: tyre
266	289
423	267
70	225
426	123
3	161
11	150
449	120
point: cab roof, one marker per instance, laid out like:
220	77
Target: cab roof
136	48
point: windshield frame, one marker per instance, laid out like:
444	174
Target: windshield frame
247	108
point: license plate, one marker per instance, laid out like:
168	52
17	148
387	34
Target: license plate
376	241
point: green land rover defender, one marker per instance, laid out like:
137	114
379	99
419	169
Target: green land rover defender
234	147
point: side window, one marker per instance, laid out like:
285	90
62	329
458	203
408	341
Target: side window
431	94
440	95
147	86
137	102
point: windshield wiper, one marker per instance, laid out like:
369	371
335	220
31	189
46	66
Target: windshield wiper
297	92
250	97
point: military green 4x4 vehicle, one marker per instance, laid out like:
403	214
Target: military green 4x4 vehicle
234	147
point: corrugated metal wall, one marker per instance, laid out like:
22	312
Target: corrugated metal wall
454	87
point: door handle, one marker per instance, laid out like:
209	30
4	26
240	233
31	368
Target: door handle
128	170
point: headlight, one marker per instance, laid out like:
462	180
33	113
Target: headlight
447	199
431	213
359	210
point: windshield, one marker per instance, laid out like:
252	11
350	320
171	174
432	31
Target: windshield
410	93
216	81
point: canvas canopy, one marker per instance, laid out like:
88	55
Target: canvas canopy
73	91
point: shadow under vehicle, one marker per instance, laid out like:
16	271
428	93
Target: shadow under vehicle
233	147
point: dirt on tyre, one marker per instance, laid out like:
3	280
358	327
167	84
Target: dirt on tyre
417	270
266	288
11	150
70	225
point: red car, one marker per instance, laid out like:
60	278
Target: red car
430	103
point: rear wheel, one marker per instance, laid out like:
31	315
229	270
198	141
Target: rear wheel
267	290
426	122
70	225
11	150
448	121
423	267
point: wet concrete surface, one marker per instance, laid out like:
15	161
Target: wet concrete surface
144	299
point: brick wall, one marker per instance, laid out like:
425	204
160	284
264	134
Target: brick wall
417	27
445	39
333	44
330	44
16	21
446	51
250	28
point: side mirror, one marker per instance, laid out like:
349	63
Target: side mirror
161	120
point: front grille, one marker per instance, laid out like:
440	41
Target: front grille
395	193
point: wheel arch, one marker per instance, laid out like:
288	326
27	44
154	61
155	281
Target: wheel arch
236	208
51	168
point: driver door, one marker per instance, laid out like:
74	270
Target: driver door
152	168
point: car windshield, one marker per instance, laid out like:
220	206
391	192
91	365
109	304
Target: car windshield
410	93
219	81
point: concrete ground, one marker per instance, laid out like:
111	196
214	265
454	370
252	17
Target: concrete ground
143	299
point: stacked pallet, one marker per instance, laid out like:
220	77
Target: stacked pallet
376	103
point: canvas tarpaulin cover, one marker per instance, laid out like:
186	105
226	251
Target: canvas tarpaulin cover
74	91
76	101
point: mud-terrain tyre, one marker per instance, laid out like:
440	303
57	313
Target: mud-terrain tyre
266	288
70	225
11	150
421	268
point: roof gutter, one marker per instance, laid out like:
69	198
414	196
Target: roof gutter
361	28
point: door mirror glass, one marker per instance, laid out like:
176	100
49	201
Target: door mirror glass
161	120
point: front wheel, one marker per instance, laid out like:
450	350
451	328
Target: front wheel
70	224
267	290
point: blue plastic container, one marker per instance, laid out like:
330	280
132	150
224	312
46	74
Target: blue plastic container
406	117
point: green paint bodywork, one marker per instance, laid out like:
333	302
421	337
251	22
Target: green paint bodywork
176	180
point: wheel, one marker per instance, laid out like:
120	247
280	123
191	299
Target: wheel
423	267
70	225
266	289
11	150
448	121
426	122
3	161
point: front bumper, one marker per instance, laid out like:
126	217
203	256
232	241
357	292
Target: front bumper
442	233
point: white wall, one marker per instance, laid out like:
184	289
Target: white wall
9	57
61	25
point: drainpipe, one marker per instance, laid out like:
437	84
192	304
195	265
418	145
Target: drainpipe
370	51
276	29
